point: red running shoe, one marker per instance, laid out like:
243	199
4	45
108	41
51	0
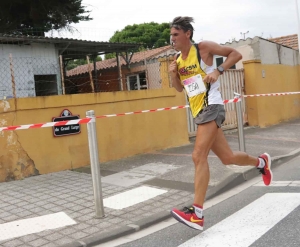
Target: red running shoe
188	217
266	172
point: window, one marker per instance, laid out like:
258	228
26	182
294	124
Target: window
137	81
220	60
45	85
233	67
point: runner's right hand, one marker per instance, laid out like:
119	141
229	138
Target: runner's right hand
173	67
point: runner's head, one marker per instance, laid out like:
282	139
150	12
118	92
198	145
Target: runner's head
183	23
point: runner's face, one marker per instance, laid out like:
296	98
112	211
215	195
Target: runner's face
179	38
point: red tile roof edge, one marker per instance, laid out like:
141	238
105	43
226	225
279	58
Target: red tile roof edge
112	62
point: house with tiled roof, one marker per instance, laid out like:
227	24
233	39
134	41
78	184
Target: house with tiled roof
144	70
289	41
281	50
33	66
139	70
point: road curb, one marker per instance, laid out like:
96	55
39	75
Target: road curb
102	238
230	182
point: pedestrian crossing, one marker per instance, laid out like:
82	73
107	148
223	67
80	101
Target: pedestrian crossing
24	227
240	229
139	174
244	227
132	197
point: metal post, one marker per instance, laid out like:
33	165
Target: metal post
90	73
297	12
62	74
95	166
239	116
119	66
13	82
96	74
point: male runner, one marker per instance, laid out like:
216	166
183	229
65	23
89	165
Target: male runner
197	76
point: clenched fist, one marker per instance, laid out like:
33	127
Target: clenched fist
212	77
173	67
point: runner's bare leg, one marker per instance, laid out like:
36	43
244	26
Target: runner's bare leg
206	135
221	148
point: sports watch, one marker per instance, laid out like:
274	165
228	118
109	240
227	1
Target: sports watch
221	70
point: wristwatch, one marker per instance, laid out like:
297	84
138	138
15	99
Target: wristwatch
220	69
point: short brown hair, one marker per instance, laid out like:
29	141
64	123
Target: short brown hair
184	23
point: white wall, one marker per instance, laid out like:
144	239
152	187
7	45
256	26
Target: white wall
272	53
266	51
27	61
30	50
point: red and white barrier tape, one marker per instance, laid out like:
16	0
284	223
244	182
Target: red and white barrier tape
49	124
270	94
144	111
162	109
226	101
87	120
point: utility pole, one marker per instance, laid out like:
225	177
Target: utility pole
297	11
246	33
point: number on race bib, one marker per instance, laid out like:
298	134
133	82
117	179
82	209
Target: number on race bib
194	85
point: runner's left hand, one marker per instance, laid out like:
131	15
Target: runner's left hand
212	77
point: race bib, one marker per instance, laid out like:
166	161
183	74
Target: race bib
194	85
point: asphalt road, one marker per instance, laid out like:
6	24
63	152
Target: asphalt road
257	216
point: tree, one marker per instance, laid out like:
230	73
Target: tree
34	17
151	35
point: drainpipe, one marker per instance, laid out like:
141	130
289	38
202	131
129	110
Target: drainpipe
297	11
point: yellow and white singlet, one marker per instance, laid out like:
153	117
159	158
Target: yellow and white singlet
200	94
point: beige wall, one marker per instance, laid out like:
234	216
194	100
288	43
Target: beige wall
249	48
265	111
247	53
37	151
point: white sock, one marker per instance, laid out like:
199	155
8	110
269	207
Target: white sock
198	211
261	163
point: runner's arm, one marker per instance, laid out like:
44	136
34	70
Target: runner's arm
173	69
233	56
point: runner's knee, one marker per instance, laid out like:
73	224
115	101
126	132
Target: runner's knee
199	157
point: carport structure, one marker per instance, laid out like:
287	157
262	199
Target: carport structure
69	49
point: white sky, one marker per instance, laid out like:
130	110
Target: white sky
216	20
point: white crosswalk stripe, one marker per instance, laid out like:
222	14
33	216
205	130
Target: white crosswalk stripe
131	197
33	225
248	224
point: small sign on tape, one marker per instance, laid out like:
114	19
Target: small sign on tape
64	130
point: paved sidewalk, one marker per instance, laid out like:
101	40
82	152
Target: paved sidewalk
159	181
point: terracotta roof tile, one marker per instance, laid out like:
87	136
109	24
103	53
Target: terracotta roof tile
111	63
290	41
